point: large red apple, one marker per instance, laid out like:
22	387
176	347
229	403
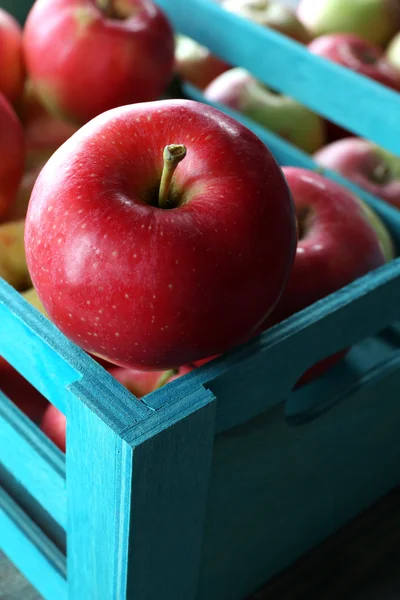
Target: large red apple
363	162
155	269
340	239
357	54
195	63
86	56
12	70
12	155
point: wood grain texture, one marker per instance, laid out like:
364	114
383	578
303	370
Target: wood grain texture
31	551
290	68
34	461
137	500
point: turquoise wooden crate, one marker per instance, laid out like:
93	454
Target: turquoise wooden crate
211	485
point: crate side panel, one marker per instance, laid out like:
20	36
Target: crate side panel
130	496
33	460
32	553
290	68
278	490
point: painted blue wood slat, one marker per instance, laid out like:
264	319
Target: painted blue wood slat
33	460
51	362
327	88
277	490
276	359
289	155
29	549
138	500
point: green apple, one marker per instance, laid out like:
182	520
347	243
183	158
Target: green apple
195	63
239	90
270	14
393	52
374	20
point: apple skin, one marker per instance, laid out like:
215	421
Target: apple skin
364	163
195	63
376	20
53	425
338	242
12	153
393	52
202	268
271	14
13	265
12	70
358	55
82	62
239	90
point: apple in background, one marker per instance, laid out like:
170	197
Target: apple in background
140	383
374	20
19	207
87	56
340	239
12	154
13	267
195	63
393	52
21	392
239	90
366	164
358	55
12	70
43	132
270	14
202	243
53	424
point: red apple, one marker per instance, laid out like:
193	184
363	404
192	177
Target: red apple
157	269
363	162
270	14
21	392
339	241
195	63
12	70
358	55
239	90
85	56
53	424
12	155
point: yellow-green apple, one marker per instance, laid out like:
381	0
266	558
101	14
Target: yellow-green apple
12	70
239	90
13	266
340	239
155	260
366	164
87	56
195	63
12	153
393	52
357	54
374	20
275	15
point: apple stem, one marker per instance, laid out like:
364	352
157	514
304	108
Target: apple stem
172	155
106	6
165	377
